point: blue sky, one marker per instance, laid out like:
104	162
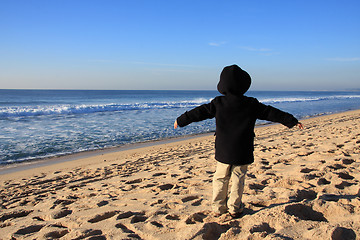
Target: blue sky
134	44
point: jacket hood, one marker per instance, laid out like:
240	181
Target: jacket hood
234	81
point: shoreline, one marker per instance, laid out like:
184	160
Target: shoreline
46	161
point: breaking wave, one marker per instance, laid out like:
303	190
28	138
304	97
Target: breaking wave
306	99
22	111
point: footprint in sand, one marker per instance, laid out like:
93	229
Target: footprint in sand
29	230
346	154
61	213
135	181
197	203
304	212
159	174
330	197
125	215
337	166
260	204
189	198
345	175
172	217
125	229
310	176
56	234
102	203
305	154
138	218
102	216
62	202
15	214
340	233
184	178
307	170
323	181
166	186
263	227
196	217
157	224
149	185
129	214
304	194
91	234
256	186
343	184
347	161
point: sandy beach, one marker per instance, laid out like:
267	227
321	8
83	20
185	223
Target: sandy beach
304	184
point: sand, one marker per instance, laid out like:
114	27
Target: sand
304	184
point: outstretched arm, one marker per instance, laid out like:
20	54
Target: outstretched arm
197	114
269	113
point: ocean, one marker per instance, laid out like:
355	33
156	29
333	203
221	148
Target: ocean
37	124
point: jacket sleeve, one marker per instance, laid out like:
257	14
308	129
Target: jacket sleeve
272	114
197	114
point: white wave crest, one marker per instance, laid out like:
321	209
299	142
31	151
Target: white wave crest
21	111
306	99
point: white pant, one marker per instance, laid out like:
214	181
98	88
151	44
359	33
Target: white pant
224	201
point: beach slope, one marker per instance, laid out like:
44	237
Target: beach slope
304	184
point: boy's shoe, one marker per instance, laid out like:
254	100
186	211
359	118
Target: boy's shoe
239	213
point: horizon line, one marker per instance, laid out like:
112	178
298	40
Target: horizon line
257	90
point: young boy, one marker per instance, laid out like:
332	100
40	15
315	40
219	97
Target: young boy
235	116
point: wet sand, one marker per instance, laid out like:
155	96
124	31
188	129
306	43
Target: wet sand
304	184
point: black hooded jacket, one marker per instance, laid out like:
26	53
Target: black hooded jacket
235	116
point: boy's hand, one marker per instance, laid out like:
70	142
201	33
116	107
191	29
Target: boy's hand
175	125
300	126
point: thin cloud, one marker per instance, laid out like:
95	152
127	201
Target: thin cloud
216	44
256	49
100	60
163	64
353	59
171	70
